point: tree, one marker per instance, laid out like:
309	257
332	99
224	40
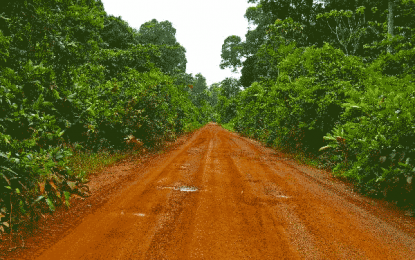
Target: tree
173	55
184	79
232	52
199	84
262	15
117	33
214	89
395	14
390	22
198	92
347	34
230	88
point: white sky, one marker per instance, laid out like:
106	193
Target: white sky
201	27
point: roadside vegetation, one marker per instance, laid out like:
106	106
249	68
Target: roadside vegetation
336	90
76	84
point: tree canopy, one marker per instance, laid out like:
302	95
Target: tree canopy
339	31
173	56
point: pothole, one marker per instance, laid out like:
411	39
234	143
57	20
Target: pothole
135	214
185	166
188	189
282	196
181	188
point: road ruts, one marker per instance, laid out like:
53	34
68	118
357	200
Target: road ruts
222	196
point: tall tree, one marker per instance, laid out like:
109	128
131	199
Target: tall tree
200	84
236	54
184	79
348	29
55	29
215	92
390	21
230	87
116	33
396	13
199	91
173	55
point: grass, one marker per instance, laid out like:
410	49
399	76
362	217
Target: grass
85	163
301	158
228	126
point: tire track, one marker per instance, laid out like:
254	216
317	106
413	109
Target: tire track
340	228
221	196
141	210
226	228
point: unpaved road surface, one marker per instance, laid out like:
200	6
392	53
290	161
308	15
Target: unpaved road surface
222	196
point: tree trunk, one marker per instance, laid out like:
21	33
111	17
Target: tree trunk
390	22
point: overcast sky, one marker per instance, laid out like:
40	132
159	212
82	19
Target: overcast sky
201	27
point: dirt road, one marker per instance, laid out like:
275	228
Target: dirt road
222	196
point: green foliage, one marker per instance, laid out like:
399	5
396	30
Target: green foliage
354	118
264	14
378	129
230	87
4	47
225	107
172	59
214	92
362	33
346	34
62	93
68	90
116	34
231	53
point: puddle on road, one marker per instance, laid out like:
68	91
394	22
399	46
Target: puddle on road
135	214
185	166
191	189
183	188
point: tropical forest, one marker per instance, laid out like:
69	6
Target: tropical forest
332	83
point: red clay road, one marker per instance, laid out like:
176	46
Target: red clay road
222	196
